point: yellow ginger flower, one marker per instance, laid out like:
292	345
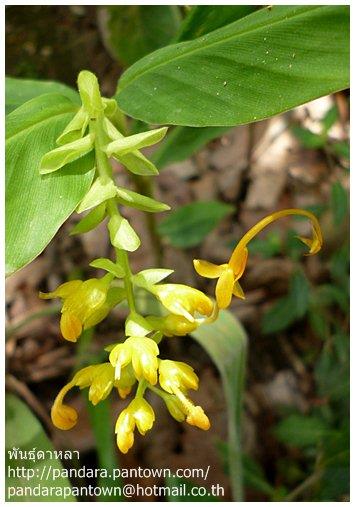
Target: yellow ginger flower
138	413
142	352
101	379
83	305
183	300
229	274
176	378
172	325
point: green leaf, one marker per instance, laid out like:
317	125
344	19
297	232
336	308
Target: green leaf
261	65
183	142
330	118
90	221
226	343
18	91
101	424
128	144
342	149
139	201
203	19
301	431
339	202
122	235
308	138
59	157
23	431
109	266
189	225
289	309
37	206
101	190
149	277
132	31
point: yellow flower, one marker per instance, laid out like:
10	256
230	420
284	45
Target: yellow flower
142	352
229	274
138	413
63	416
101	379
176	374
85	304
183	300
172	325
176	378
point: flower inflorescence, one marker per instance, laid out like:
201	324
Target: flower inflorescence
99	126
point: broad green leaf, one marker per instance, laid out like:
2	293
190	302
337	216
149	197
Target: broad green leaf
226	343
101	190
59	157
189	225
183	142
36	206
139	201
259	66
23	431
339	202
132	31
301	431
91	220
203	19
125	145
109	266
149	277
18	91
122	235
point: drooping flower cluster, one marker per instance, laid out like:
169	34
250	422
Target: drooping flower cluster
99	126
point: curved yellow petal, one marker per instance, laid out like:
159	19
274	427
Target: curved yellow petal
63	291
224	288
314	244
208	269
70	326
63	416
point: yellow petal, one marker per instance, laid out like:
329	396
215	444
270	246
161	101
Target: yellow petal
238	291
197	417
207	269
70	327
224	288
63	291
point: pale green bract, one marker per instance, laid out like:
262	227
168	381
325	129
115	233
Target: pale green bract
122	235
59	157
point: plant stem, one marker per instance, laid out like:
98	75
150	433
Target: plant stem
104	168
145	186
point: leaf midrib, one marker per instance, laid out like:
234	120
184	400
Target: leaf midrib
223	40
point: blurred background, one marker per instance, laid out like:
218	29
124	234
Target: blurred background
296	312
